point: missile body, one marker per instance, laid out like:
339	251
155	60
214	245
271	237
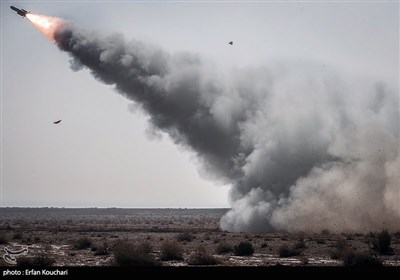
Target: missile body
21	12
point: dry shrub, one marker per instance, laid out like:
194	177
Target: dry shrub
304	260
285	251
4	238
325	232
100	250
171	251
185	236
82	243
146	247
244	248
201	257
17	235
41	260
361	259
224	248
128	254
342	250
4	263
381	242
299	245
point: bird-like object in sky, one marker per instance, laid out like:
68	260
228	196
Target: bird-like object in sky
230	43
57	122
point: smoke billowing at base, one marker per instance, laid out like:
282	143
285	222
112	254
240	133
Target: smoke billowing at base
303	148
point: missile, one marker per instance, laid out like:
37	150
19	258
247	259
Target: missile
21	12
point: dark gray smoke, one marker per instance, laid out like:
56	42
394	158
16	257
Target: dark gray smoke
302	149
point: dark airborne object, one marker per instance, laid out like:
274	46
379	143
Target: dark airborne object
21	12
57	122
230	43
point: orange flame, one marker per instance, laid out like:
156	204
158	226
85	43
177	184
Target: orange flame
46	25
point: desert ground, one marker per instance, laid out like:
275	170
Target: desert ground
177	237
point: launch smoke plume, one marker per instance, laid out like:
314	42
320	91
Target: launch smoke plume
302	148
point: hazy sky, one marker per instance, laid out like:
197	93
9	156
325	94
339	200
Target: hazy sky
100	154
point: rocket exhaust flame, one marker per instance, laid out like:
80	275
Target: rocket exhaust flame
45	24
303	149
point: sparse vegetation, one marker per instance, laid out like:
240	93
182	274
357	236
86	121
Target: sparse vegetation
41	260
4	263
285	251
381	242
55	232
342	250
100	250
128	254
224	248
201	257
145	247
171	251
47	247
325	232
185	236
82	243
4	239
27	240
17	235
361	259
244	248
299	245
304	260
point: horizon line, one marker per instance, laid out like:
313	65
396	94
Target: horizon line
95	207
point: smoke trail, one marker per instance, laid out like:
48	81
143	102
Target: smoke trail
302	149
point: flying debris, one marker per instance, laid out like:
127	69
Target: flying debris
230	43
57	122
21	12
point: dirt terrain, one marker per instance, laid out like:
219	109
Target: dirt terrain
89	237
